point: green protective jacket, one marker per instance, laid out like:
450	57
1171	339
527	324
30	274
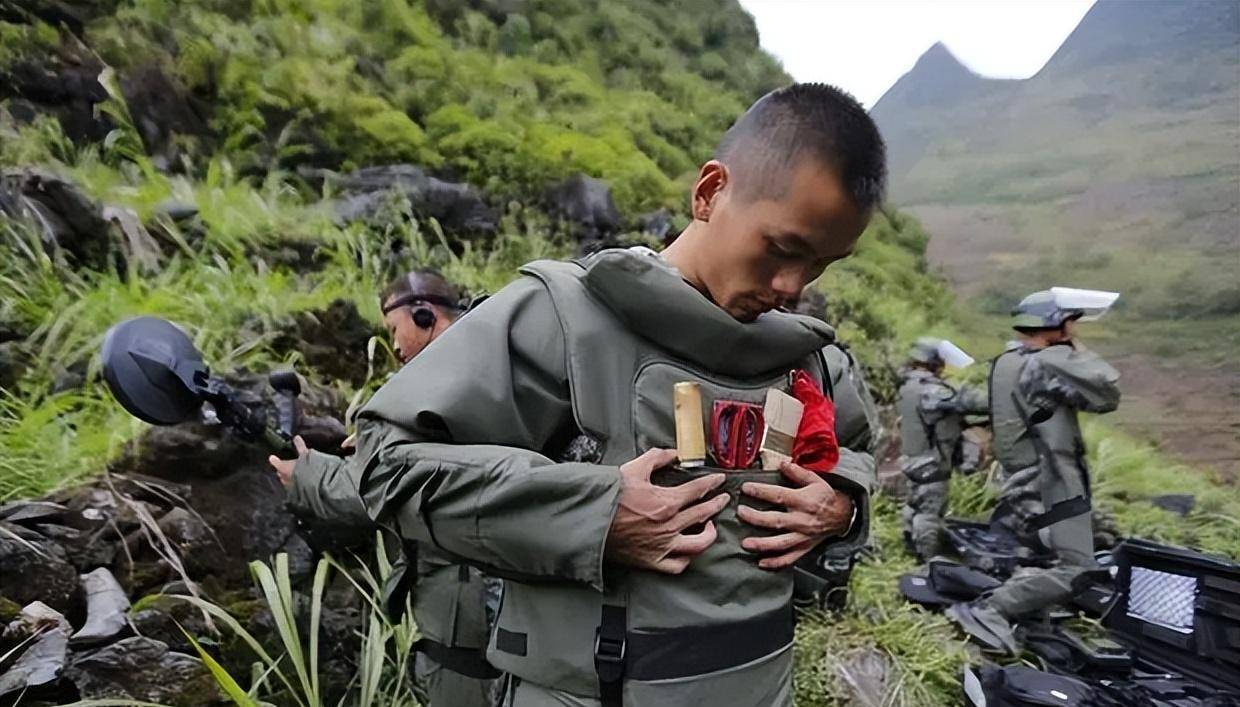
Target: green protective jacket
456	452
449	602
1035	396
931	421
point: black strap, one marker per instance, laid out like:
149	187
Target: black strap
1071	508
413	298
828	386
668	654
470	662
610	652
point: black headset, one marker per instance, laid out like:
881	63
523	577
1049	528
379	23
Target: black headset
422	314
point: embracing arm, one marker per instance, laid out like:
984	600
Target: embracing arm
446	449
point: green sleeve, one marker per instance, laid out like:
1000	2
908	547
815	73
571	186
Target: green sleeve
323	487
1061	375
973	401
856	415
454	450
856	428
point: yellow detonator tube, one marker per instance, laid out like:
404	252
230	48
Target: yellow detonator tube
690	433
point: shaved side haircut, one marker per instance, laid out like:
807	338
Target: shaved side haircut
805	121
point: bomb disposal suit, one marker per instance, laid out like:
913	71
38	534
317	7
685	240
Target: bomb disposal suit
1035	395
457	452
932	421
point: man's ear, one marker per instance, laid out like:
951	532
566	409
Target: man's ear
712	179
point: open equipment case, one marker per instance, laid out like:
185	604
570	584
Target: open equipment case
1173	640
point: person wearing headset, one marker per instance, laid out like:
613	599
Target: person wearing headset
450	604
417	308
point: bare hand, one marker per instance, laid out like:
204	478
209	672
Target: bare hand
284	467
814	512
349	443
648	530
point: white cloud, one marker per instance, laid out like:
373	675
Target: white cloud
864	46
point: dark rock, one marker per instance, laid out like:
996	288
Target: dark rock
136	243
66	380
66	217
64	83
91	235
43	660
459	208
13	363
198	546
1106	529
106	606
1180	504
32	512
36	570
893	482
300	256
162	110
332	341
301	558
585	204
140	668
161	617
72	14
140	577
86	549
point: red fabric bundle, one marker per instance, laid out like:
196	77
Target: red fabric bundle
815	447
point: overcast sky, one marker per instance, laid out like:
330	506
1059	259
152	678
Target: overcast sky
864	46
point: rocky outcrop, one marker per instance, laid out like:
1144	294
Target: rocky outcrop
90	235
182	510
368	193
585	206
140	668
331	341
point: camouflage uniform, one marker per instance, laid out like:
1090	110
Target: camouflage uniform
931	422
1035	397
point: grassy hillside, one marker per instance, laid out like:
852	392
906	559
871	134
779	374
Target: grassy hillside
508	95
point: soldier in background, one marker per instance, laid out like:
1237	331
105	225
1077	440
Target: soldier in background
1036	391
932	422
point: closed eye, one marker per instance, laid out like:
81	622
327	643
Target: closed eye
776	250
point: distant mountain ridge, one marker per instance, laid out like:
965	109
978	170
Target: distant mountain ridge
1116	166
1130	135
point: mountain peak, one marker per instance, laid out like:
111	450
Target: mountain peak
938	78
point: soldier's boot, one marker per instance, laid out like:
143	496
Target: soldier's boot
984	624
928	537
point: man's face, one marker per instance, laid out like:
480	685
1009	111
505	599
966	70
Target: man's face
408	339
765	251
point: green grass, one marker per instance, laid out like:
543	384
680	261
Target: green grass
923	650
223	293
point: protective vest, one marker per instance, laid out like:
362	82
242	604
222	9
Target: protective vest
721	632
1046	431
1012	445
929	439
